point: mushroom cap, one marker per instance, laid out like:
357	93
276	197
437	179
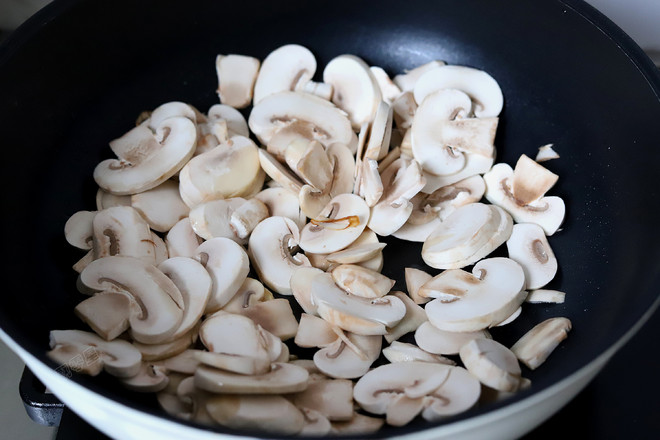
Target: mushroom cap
470	302
270	251
152	159
341	222
282	378
282	69
482	88
158	302
529	247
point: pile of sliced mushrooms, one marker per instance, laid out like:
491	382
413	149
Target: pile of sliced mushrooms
211	229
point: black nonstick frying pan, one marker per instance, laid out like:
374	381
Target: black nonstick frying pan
78	73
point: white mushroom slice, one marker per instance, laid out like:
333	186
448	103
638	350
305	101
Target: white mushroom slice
402	181
547	212
343	168
392	155
351	323
368	237
158	302
228	170
168	399
194	283
250	292
414	317
280	109
492	363
213	219
362	282
149	158
149	379
236	336
371	185
436	341
531	180
107	313
236	123
160	248
388	90
358	425
271	248
387	310
275	316
404	108
314	166
314	332
479	85
316	424
161	206
406	81
546	153
338	225
534	347
84	352
236	77
79	229
469	302
295	134
341	360
173	347
466	236
181	240
416	232
356	254
475	164
416	278
545	296
195	399
282	378
283	69
247	216
404	352
121	230
169	110
511	318
228	264
183	363
529	247
355	89
105	200
333	398
282	202
402	390
301	287
278	172
380	133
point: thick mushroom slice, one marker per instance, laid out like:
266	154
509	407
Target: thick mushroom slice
236	77
361	281
79	229
121	230
483	89
272	250
283	69
405	352
355	89
228	264
466	236
282	378
161	206
534	347
147	159
546	211
107	313
349	357
434	340
267	413
467	302
158	304
492	363
283	108
228	170
84	352
339	224
529	246
181	240
403	390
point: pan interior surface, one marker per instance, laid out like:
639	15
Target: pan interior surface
79	73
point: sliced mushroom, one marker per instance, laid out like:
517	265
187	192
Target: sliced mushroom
105	200
301	287
181	240
380	132
275	316
474	164
228	265
355	89
437	341
534	347
79	229
107	313
160	248
492	363
272	252
416	278
362	282
159	114
183	363
214	219
348	358
470	302
406	81
121	230
356	253
402	390
173	347
158	302
360	424
466	236
404	108
529	247
228	170
247	216
316	424
414	317
531	180
283	69
405	352
150	379
333	398
85	352
147	159
250	292
545	296
161	206
194	399
388	90
282	202
236	77
482	88
546	153
282	378
547	212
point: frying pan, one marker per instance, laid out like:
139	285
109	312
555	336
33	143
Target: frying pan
78	73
